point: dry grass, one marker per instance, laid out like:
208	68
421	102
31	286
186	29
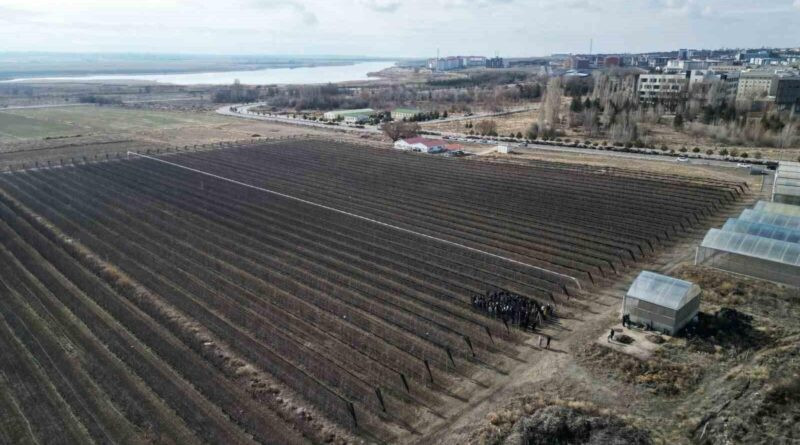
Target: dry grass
657	375
517	122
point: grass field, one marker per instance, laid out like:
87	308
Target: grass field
68	121
16	126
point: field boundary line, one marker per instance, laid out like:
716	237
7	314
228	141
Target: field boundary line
361	217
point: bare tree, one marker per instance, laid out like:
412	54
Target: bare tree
549	115
486	127
400	130
787	136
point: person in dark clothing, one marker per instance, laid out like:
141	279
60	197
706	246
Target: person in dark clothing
548	342
611	335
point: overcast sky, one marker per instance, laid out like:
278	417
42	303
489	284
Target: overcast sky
392	28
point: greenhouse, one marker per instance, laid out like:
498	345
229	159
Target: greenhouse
664	303
786	188
764	230
775	219
775	207
752	255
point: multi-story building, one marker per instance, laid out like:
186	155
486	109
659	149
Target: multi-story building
577	63
781	88
456	62
495	62
445	63
661	87
730	80
754	85
787	92
473	61
687	65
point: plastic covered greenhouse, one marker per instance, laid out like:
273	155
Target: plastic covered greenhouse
666	304
775	219
757	256
775	207
786	188
761	229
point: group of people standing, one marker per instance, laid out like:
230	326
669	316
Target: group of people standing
512	308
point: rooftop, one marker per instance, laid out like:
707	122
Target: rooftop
662	290
357	112
424	141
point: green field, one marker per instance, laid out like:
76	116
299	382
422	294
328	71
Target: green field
68	121
14	126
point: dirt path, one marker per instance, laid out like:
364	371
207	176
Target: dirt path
555	371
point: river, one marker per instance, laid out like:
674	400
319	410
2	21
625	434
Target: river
298	76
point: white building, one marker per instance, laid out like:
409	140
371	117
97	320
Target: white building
687	65
654	87
349	116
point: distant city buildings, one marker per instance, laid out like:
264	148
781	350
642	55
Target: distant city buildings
456	63
495	62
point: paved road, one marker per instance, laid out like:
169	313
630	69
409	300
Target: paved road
616	154
243	111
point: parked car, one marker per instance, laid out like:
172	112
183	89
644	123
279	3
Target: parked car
683	159
743	165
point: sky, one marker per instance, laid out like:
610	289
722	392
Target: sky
394	28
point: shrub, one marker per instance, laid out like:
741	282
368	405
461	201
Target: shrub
709	152
664	148
744	155
696	150
684	150
724	152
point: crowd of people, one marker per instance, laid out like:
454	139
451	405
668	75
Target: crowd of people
512	308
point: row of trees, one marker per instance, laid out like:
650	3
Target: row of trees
606	105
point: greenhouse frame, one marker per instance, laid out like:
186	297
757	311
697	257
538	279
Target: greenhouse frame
747	254
786	188
664	303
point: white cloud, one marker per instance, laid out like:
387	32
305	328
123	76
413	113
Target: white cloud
393	27
384	5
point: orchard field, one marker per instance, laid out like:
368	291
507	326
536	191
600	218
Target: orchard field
321	291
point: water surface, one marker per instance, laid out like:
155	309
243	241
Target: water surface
302	75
